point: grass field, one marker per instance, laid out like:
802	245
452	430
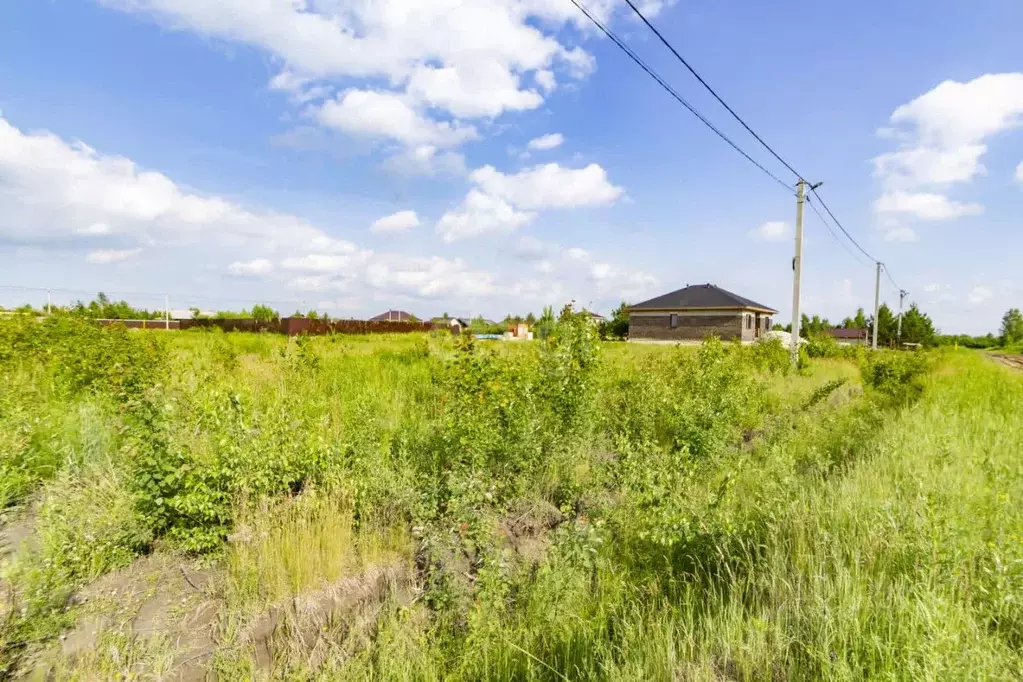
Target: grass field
416	507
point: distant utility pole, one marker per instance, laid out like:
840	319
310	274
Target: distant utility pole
797	265
877	301
902	294
166	312
47	301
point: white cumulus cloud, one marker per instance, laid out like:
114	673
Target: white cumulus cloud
459	58
772	231
105	256
943	134
549	186
479	214
95	229
925	205
387	114
402	221
429	277
257	267
980	293
50	188
900	234
549	141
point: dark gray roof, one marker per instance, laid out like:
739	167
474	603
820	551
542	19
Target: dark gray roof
700	296
392	316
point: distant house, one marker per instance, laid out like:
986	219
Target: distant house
848	337
455	324
519	331
594	318
696	312
394	316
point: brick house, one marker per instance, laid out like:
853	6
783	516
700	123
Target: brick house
848	337
394	316
696	312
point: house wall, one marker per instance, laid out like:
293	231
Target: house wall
692	326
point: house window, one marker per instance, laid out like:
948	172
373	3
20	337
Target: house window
673	320
749	322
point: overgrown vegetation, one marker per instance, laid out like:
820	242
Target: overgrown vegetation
557	510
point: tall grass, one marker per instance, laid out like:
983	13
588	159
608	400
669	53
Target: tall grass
565	511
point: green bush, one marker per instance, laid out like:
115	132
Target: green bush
895	375
823	346
770	355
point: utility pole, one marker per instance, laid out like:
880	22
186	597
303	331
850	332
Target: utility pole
47	301
877	301
797	264
902	294
797	267
166	313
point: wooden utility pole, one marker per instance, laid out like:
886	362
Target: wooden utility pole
877	301
166	313
797	267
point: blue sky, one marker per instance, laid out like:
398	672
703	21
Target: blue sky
356	156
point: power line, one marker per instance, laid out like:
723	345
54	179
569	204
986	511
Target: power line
653	74
745	125
890	279
711	90
838	239
840	226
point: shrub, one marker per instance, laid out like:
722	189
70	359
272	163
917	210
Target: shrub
896	375
770	355
823	346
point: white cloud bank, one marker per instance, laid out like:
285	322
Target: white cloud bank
422	64
109	210
480	214
257	267
402	221
925	205
503	202
106	256
544	142
943	136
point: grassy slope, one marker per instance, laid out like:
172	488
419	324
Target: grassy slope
836	546
908	566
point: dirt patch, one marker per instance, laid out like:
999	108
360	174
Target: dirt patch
316	623
17	536
166	598
170	605
527	526
1011	361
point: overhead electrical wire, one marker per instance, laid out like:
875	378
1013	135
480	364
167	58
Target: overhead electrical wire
711	91
653	74
890	279
834	235
738	118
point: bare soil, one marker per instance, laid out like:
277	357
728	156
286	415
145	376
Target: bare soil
1011	361
177	601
